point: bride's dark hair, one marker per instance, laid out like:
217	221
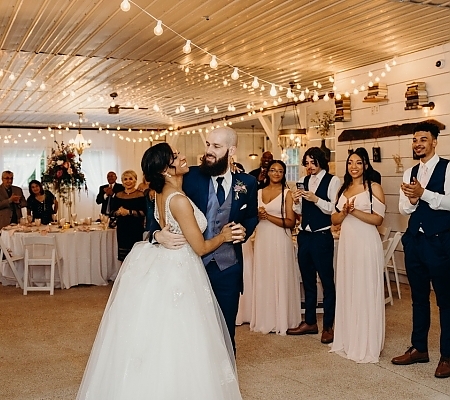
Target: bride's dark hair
154	162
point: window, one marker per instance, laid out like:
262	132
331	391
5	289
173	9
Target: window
292	164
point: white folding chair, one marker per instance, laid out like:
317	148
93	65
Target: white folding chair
387	244
40	251
11	262
390	260
384	231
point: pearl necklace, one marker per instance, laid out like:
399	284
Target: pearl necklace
130	192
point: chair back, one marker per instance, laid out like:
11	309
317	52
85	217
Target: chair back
11	262
39	249
394	241
384	231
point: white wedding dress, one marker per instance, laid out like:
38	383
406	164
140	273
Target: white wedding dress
162	335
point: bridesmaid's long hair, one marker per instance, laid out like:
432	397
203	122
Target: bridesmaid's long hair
283	182
361	152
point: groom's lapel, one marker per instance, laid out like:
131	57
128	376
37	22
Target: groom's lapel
235	203
203	192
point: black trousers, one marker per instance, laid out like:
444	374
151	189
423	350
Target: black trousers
315	256
427	259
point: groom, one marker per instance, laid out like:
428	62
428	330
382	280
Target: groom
223	197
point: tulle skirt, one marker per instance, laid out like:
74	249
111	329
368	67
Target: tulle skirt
162	335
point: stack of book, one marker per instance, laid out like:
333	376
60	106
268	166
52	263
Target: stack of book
416	95
377	92
343	109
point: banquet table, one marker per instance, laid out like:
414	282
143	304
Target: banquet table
88	257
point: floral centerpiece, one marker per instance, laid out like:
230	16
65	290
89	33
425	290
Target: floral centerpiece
63	173
323	122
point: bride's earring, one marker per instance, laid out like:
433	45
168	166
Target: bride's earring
167	174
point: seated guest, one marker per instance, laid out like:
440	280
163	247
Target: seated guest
11	200
129	210
41	203
107	192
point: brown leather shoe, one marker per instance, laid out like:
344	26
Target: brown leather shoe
443	368
327	336
411	356
303	329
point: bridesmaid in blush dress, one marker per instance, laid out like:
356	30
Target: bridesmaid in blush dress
276	280
359	324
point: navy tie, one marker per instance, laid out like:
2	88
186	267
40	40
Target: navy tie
220	191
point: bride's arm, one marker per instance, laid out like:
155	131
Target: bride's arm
183	213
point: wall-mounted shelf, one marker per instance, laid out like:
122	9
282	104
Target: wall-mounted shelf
416	95
343	109
376	93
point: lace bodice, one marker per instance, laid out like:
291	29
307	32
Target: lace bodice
170	220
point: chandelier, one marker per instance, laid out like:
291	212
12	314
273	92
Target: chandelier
291	137
79	143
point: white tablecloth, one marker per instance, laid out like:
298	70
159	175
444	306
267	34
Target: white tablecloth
88	257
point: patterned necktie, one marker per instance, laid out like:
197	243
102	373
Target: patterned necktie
423	176
220	191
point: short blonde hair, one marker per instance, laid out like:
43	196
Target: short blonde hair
129	172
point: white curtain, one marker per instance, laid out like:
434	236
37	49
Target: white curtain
22	162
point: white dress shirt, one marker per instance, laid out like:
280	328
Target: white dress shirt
226	183
326	207
435	200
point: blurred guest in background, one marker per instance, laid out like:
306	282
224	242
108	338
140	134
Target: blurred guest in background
41	203
276	279
359	327
107	192
11	200
261	173
129	209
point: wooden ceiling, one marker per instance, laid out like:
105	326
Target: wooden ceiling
68	56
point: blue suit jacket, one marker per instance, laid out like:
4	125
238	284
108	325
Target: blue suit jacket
244	206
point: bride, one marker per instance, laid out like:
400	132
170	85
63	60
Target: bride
162	335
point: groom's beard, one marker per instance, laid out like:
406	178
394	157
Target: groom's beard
215	168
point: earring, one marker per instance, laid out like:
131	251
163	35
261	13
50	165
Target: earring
167	174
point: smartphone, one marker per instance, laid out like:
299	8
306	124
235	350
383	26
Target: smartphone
300	186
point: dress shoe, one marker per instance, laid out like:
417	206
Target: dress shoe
411	356
443	368
327	336
303	329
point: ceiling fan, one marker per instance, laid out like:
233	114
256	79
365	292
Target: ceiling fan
114	108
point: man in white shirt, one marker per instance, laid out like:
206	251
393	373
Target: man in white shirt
425	197
315	202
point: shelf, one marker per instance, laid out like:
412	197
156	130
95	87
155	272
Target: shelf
374	100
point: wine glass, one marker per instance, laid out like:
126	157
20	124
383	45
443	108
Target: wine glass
54	218
74	218
29	219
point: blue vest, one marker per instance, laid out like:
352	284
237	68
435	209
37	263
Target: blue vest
311	214
431	221
217	217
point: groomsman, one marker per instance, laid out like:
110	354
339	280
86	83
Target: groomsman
425	197
107	192
314	200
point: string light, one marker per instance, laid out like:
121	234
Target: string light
255	83
235	74
213	63
187	47
125	5
158	30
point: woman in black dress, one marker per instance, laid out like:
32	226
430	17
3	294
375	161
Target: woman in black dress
41	203
129	209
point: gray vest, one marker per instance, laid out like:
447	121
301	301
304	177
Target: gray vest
217	217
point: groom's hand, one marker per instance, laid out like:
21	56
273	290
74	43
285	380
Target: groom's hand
170	240
238	233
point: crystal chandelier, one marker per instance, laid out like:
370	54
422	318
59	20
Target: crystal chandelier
79	143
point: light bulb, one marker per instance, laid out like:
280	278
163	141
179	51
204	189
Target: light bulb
362	88
235	74
213	64
206	77
156	107
355	91
182	109
244	86
273	91
197	110
338	96
28	84
394	62
279	99
326	97
315	96
187	69
255	83
177	110
113	104
347	94
12	77
370	74
377	79
206	109
302	96
136	107
331	79
187	47
383	74
314	83
388	68
125	5
306	90
299	86
158	31
319	85
216	110
225	82
262	88
370	84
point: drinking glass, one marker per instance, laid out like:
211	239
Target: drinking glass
29	219
37	221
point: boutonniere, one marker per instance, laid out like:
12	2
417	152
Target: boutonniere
239	187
